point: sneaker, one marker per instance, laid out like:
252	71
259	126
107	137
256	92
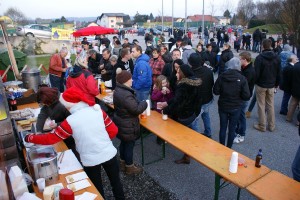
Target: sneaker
236	139
242	139
248	114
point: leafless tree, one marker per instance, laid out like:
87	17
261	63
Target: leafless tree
212	10
16	15
246	10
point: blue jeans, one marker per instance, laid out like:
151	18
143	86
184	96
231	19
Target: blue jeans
253	101
296	166
255	46
126	151
195	124
57	82
284	103
206	118
228	118
142	95
242	124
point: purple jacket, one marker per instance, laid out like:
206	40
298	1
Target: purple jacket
158	96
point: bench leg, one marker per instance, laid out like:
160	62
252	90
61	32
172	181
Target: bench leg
217	186
238	194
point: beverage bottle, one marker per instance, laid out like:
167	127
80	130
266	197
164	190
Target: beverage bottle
258	159
102	86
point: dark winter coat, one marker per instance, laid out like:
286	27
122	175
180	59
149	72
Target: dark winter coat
108	68
286	78
187	101
127	111
267	69
233	89
215	47
207	77
211	57
257	36
56	112
249	73
93	64
225	56
295	84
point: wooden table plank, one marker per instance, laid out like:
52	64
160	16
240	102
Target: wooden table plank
275	186
204	150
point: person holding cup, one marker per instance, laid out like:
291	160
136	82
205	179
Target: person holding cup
126	117
186	104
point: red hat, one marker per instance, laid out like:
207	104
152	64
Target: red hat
72	96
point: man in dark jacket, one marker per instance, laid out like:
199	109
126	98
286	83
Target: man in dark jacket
296	162
215	47
295	91
210	56
105	66
249	72
124	61
257	37
233	89
94	61
267	70
205	90
285	82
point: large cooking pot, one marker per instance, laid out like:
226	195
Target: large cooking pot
31	78
43	162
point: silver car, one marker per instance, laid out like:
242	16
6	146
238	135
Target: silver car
34	30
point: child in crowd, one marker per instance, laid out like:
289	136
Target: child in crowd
161	91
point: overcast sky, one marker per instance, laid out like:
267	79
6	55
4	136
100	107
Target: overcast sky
90	8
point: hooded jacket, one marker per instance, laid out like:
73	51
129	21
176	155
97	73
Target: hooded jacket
187	101
187	51
233	89
249	73
225	57
83	80
207	77
127	110
142	73
267	69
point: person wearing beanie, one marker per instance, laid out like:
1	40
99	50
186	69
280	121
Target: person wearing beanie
233	89
186	104
205	90
83	79
92	131
126	116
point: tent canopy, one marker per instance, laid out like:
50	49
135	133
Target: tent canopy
93	30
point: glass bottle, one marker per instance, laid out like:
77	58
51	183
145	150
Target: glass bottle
258	159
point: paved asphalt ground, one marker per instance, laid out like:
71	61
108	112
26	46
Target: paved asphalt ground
195	181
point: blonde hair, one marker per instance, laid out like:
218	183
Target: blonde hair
158	81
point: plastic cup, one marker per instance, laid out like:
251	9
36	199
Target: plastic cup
41	183
165	117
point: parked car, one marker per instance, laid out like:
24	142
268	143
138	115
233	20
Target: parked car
34	30
159	27
141	31
154	30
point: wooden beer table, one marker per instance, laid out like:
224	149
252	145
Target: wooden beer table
59	147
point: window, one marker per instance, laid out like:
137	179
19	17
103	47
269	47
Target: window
112	21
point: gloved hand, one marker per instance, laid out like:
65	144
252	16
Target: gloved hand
27	137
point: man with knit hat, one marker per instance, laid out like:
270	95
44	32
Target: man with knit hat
83	79
205	90
126	116
92	131
233	89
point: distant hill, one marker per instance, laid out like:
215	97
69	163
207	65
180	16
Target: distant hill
81	19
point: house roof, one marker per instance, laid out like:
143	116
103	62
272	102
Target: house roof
197	18
111	15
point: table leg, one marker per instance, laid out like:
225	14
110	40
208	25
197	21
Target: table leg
238	194
142	146
217	186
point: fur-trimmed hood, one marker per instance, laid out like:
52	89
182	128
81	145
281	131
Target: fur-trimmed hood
191	81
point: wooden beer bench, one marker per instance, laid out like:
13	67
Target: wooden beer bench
275	186
60	147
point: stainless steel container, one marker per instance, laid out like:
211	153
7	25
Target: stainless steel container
43	162
31	78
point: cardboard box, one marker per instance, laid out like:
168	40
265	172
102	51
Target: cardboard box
28	97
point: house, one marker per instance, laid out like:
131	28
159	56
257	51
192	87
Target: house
198	18
111	20
223	20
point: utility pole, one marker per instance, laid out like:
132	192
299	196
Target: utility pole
185	22
172	17
162	17
203	20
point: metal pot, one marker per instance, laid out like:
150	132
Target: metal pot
31	78
43	162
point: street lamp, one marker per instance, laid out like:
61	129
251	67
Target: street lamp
162	16
172	17
203	20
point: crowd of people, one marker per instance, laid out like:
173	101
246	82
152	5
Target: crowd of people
179	83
